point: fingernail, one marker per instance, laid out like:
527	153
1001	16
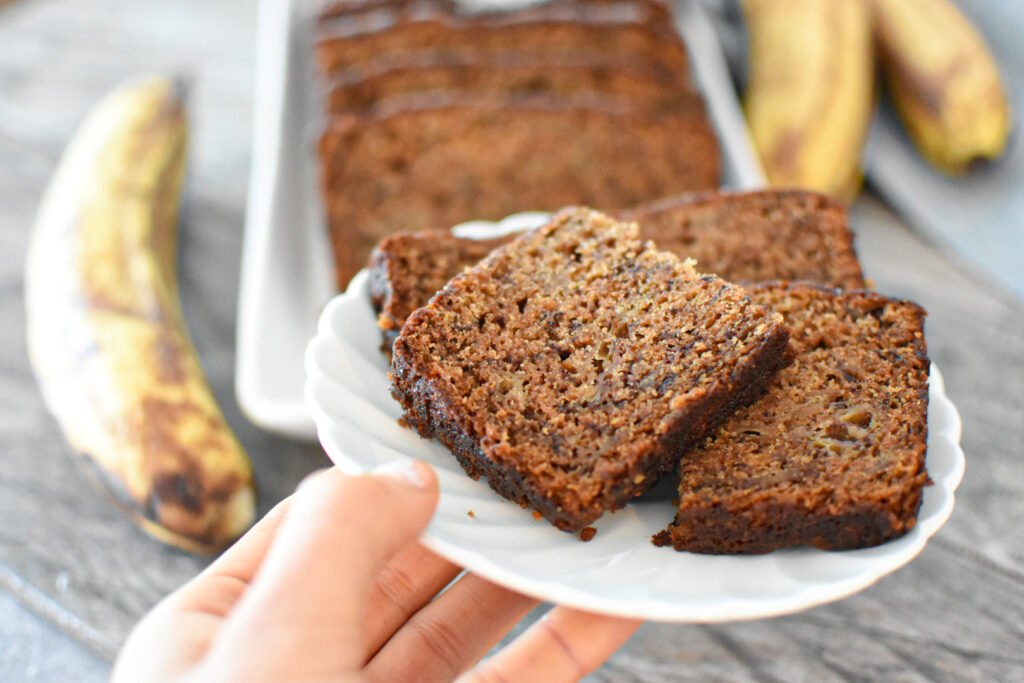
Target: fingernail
409	471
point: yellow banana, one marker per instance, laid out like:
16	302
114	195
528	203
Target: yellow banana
943	81
810	90
106	334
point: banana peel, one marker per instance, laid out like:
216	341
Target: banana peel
943	81
106	335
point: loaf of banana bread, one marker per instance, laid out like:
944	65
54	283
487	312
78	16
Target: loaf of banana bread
432	162
438	113
571	366
833	456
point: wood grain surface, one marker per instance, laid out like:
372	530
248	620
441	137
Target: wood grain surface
955	613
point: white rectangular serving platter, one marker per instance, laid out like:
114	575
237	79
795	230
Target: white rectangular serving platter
286	274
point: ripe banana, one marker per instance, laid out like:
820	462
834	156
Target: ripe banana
943	81
106	334
810	90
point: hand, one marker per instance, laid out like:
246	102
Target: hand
332	585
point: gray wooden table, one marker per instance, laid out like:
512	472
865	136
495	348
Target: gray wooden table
955	613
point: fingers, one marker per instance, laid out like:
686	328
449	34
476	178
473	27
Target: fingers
566	644
401	586
451	633
311	591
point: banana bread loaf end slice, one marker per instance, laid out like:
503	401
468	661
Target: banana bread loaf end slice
572	366
833	456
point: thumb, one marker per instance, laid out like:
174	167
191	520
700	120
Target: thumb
307	602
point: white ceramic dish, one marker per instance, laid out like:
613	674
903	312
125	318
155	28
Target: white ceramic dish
286	271
619	571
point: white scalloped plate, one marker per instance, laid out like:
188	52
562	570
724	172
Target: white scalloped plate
619	571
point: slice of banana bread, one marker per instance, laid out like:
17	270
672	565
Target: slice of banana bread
573	365
757	236
361	87
741	237
408	268
624	29
434	162
833	456
336	8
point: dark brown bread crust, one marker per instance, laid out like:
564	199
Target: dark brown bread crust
750	237
360	88
833	456
860	526
627	29
573	365
450	160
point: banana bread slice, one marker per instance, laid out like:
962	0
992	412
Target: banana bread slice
741	237
433	162
573	365
658	9
624	29
408	268
833	456
360	88
757	236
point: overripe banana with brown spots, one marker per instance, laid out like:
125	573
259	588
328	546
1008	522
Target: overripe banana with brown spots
810	90
943	82
106	334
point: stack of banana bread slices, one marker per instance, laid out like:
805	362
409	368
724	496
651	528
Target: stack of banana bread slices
438	113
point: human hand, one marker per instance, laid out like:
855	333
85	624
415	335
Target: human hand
332	585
